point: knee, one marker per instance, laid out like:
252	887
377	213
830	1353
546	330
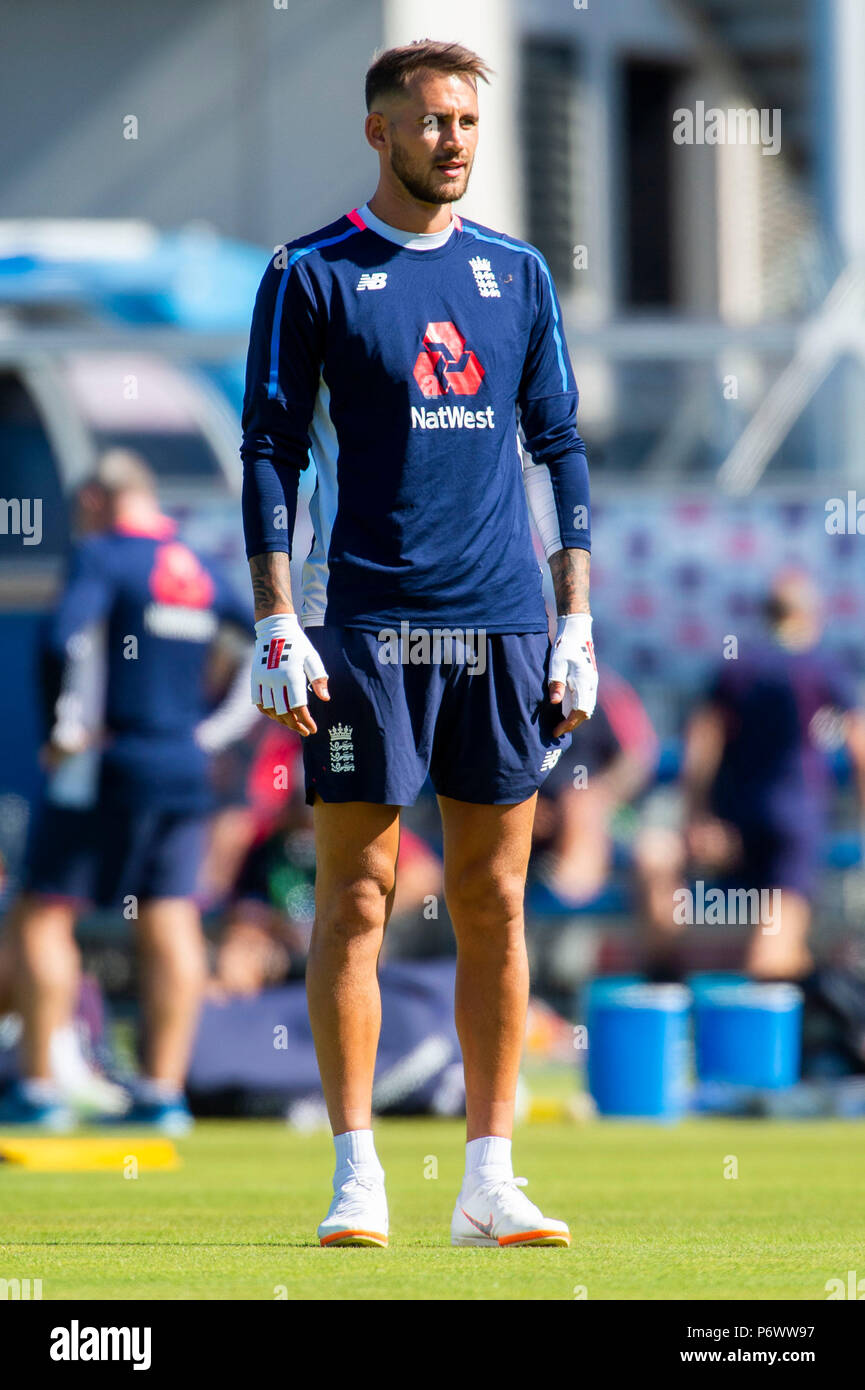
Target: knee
39	924
658	853
356	908
482	902
179	956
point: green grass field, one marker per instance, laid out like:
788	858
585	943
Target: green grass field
651	1215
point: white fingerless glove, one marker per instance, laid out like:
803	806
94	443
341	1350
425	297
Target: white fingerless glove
284	661
572	662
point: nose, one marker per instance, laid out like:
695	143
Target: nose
452	135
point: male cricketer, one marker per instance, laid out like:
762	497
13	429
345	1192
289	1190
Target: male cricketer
415	356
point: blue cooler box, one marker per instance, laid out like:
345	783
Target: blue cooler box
747	1033
638	1048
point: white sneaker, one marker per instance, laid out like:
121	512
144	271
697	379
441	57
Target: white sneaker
497	1213
358	1212
81	1085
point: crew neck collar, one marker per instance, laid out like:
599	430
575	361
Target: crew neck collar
409	241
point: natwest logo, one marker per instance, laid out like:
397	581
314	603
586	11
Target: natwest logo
178	576
444	364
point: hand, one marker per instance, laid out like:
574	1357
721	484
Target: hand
284	661
712	843
52	756
65	740
573	671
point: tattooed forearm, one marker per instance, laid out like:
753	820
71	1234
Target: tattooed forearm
570	571
271	584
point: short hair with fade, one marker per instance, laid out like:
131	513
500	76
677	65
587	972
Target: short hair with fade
391	71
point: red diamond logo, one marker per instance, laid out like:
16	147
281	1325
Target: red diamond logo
445	364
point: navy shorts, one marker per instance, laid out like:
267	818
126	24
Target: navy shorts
782	838
780	857
114	852
60	858
477	719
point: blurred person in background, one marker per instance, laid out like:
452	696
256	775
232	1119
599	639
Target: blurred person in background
131	734
755	783
270	900
611	759
66	827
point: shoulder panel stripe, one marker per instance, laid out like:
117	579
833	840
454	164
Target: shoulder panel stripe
528	251
273	379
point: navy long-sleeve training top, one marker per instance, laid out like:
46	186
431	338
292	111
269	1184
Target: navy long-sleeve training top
407	368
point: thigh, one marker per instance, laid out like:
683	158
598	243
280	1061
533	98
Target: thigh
61	855
356	845
486	847
374	735
494	742
174	854
794	862
125	837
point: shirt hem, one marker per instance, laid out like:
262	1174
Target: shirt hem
477	625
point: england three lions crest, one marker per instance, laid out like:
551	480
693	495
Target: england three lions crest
341	748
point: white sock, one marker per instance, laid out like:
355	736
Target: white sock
357	1148
68	1063
153	1092
37	1091
489	1157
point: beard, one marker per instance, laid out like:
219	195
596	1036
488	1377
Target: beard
427	185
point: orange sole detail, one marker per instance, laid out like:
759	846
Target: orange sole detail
355	1238
537	1238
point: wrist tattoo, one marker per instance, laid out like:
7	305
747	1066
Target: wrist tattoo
271	584
570	571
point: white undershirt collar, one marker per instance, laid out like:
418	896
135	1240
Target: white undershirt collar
410	241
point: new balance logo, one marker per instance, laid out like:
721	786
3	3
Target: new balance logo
341	748
485	278
374	281
551	757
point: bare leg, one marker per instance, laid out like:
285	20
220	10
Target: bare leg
659	868
486	854
778	948
174	971
8	1001
48	970
583	849
252	953
356	851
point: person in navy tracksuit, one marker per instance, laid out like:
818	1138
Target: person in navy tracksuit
125	819
756	789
